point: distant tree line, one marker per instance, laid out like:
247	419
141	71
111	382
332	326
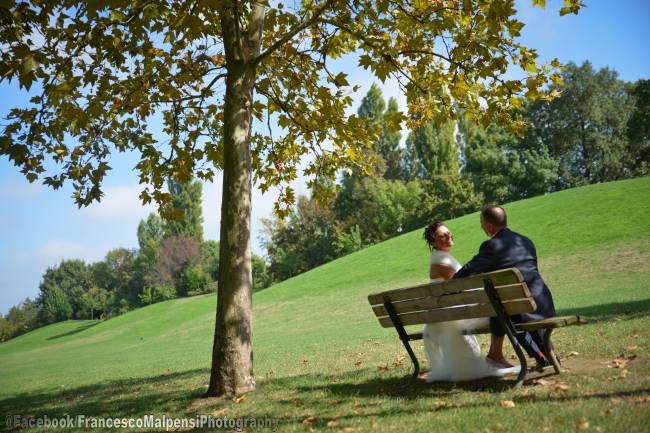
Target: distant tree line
172	261
596	130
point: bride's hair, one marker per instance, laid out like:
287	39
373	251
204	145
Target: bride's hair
430	233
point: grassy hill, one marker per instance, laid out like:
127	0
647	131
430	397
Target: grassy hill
318	348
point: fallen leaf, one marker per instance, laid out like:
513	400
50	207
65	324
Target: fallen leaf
617	400
217	413
334	379
543	382
620	362
507	404
573	354
347	430
332	423
609	411
305	361
309	420
561	387
635	336
240	399
623	374
358	363
382	368
582	424
439	403
631	348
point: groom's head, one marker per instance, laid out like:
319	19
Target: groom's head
493	219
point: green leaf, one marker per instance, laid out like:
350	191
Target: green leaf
29	64
340	80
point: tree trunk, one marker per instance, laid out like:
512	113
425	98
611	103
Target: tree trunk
232	353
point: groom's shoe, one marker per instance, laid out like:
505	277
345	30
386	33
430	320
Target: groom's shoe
541	365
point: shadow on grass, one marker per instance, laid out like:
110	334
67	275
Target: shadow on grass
122	398
75	330
180	395
604	312
357	384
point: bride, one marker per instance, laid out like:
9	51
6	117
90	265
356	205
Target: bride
453	356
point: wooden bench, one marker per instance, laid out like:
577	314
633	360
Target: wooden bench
495	294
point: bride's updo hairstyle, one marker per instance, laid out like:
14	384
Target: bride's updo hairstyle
430	233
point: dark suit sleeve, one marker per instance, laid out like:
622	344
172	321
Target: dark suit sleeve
482	262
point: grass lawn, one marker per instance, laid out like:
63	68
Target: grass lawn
323	363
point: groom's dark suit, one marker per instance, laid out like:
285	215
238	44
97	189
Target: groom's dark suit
508	249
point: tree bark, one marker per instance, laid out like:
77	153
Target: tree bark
232	353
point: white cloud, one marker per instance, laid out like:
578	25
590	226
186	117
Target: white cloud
119	203
262	207
20	274
20	190
211	207
54	251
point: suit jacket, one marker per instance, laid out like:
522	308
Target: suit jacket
508	249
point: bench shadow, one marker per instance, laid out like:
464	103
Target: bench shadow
604	312
75	330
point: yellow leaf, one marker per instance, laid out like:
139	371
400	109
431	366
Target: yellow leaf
507	404
561	387
240	399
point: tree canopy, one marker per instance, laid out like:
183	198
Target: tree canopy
100	71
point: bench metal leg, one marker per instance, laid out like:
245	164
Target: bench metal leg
549	351
509	328
403	336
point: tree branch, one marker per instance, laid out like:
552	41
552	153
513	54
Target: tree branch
293	32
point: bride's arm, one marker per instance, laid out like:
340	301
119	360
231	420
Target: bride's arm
437	270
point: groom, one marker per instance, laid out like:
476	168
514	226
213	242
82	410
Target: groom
507	249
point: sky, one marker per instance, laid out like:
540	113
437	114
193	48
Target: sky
39	227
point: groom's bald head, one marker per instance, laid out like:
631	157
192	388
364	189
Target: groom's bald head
493	219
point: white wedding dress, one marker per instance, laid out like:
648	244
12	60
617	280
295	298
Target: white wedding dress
452	355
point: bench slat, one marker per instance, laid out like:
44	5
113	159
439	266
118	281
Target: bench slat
456	313
499	278
474	296
552	322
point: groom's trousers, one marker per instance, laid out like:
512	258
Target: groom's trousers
531	341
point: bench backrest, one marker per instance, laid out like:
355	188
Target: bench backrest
462	298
